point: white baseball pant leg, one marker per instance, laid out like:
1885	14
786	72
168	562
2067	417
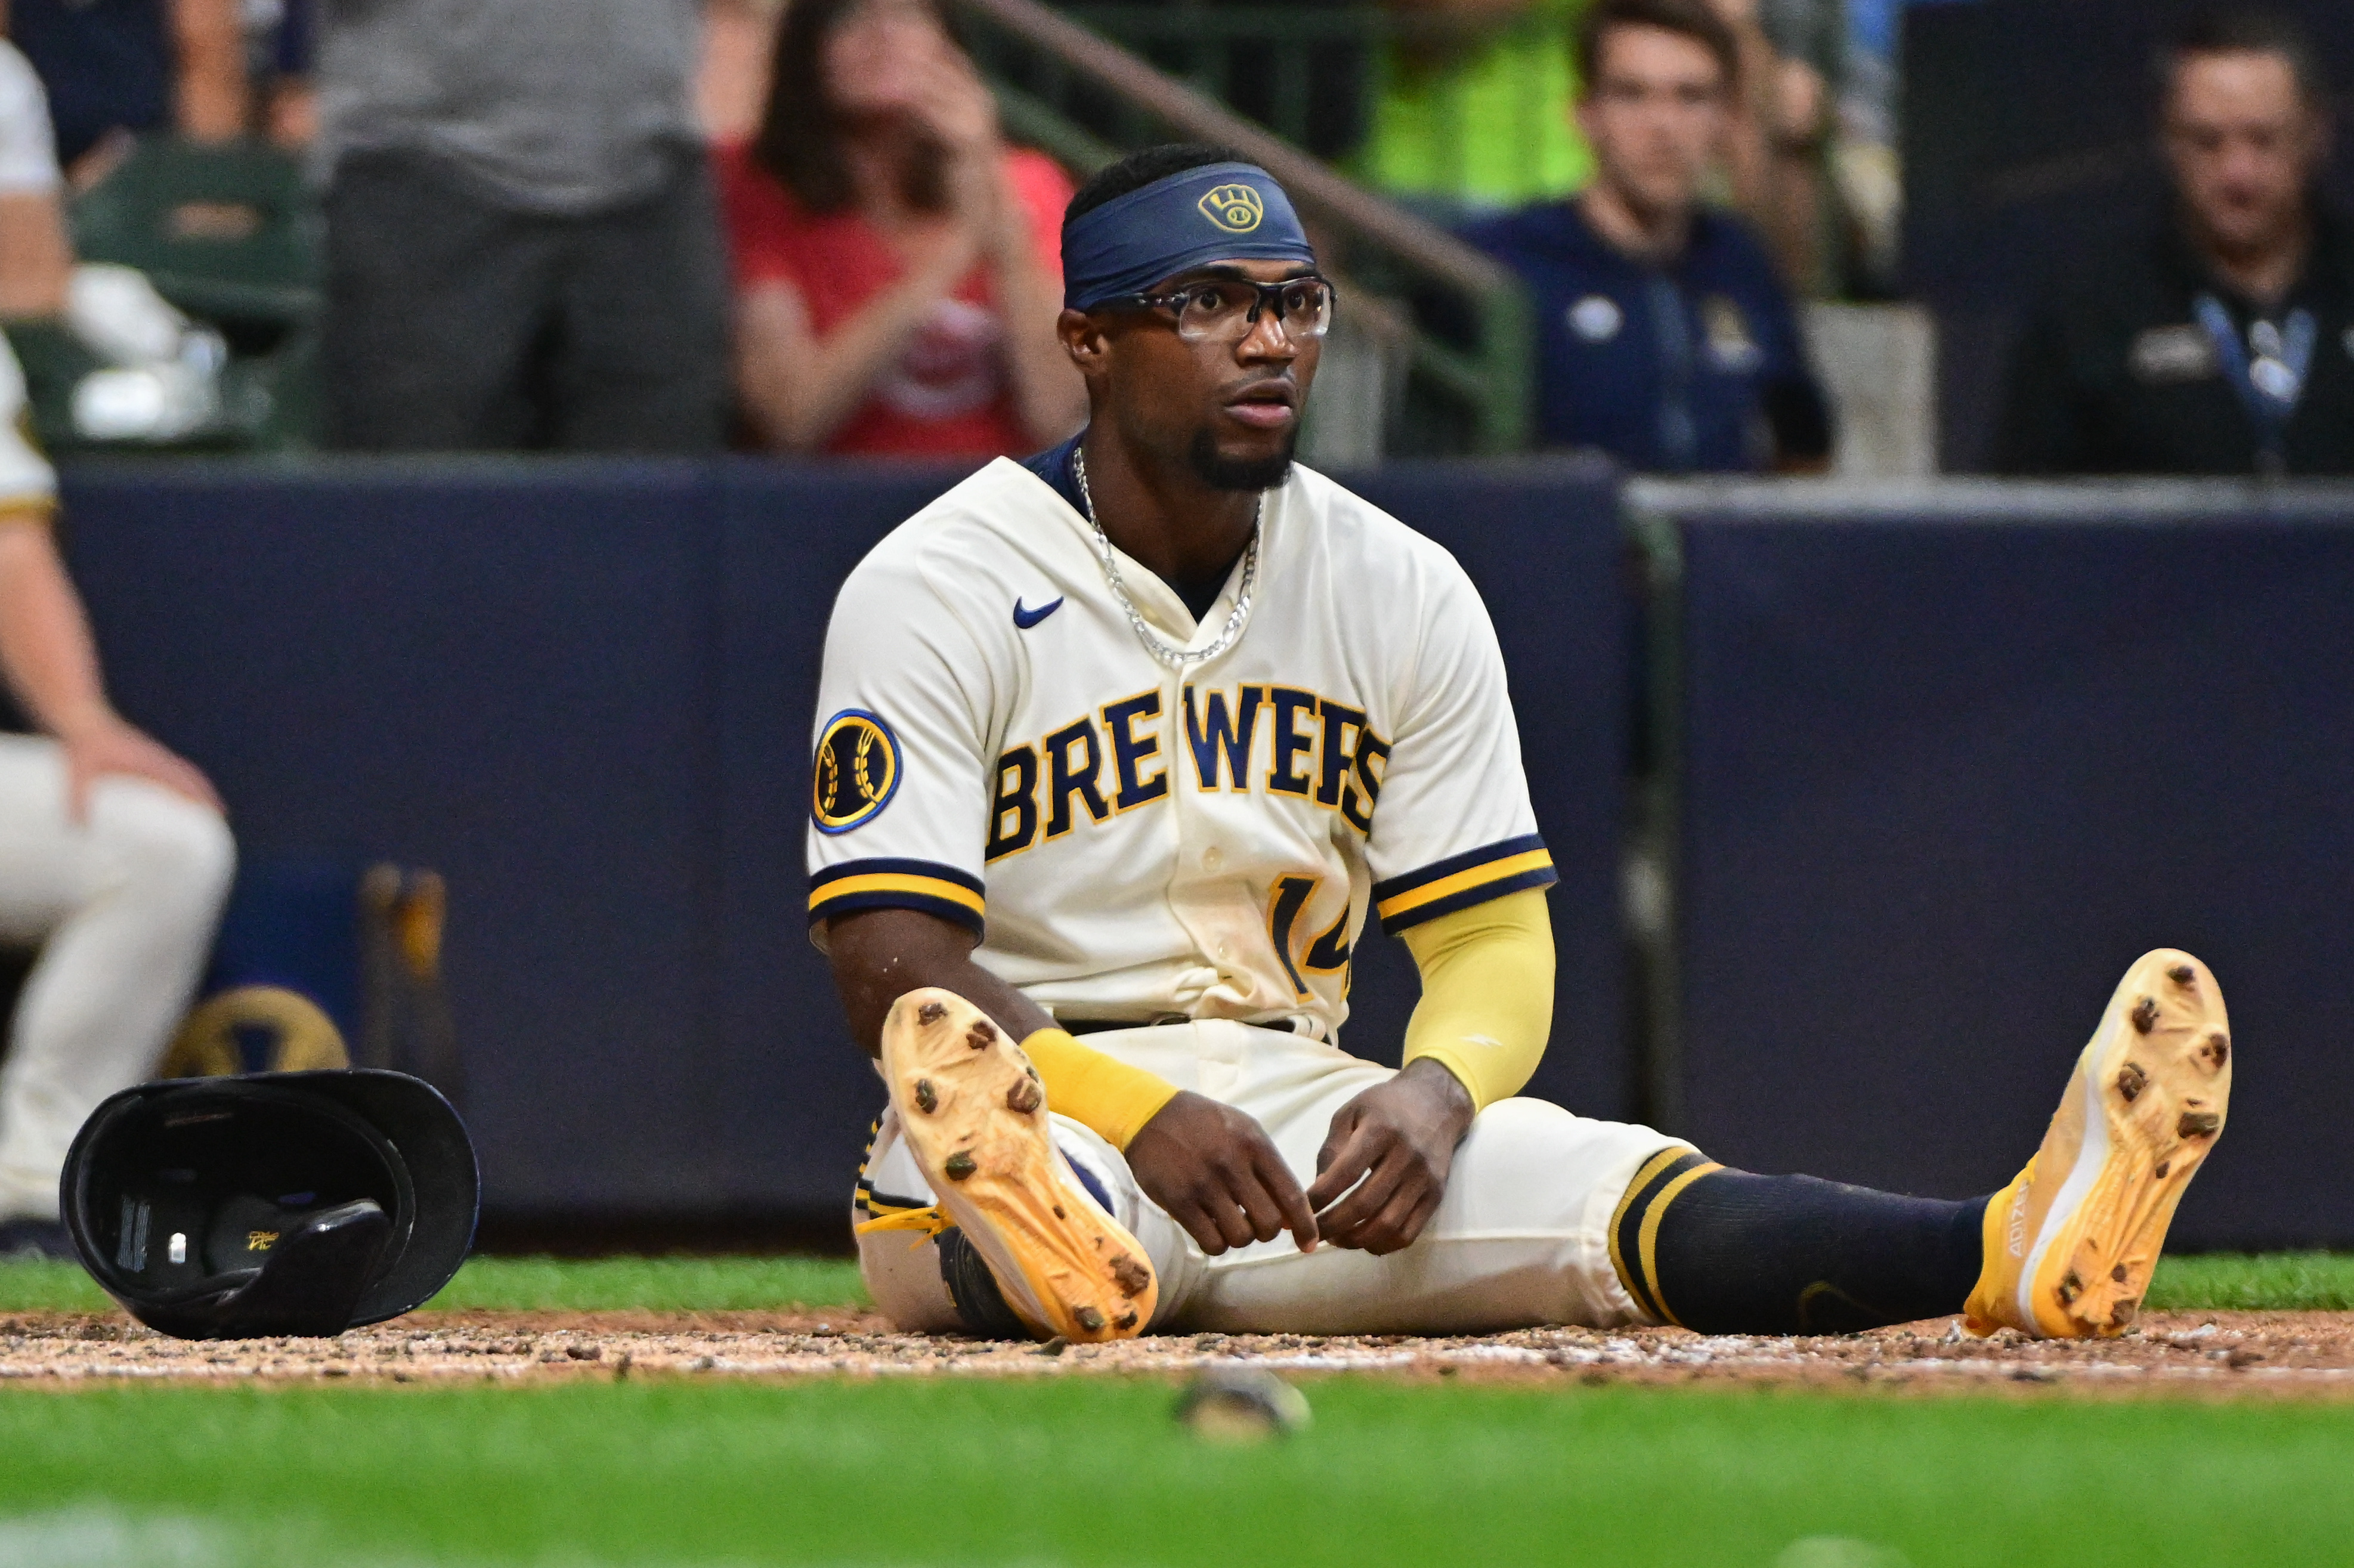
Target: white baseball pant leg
1520	1240
123	907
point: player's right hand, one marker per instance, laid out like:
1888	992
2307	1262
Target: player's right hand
1215	1171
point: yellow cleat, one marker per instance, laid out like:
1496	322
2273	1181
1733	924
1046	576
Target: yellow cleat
2070	1244
974	1113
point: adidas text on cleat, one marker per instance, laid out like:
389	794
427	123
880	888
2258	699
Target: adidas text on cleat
2070	1245
974	1112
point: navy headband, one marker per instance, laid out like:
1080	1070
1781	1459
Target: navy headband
1219	212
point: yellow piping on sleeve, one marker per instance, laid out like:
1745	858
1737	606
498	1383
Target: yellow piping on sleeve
1487	992
1478	875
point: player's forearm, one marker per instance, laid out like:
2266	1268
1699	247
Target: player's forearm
880	954
212	89
36	258
46	650
1487	993
800	388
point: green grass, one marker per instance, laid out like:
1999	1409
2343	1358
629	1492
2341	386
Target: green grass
653	1284
1070	1470
2302	1281
2312	1281
702	1473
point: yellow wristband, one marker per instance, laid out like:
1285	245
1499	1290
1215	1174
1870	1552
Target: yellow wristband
1097	1091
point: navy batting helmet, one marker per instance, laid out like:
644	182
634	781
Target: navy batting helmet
277	1203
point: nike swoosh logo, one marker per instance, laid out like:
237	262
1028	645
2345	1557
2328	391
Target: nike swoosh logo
1026	618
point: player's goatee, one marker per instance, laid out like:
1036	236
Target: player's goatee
1221	472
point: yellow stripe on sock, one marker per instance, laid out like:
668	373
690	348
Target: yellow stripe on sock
1649	1243
1640	1288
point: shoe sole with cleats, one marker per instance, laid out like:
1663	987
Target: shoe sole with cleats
2070	1244
974	1113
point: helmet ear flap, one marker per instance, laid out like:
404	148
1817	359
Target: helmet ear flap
309	1285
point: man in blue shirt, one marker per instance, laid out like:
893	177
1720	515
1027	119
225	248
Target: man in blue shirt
1664	336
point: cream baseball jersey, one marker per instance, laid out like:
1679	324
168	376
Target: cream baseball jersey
997	746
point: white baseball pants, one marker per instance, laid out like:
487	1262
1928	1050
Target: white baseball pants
1519	1240
122	906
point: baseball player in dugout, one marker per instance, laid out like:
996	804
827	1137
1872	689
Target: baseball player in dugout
1118	750
114	859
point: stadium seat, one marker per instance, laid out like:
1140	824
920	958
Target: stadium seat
230	234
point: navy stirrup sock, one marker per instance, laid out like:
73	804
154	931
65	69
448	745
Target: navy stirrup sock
1725	1252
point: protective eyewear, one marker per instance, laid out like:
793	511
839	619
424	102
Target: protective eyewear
1224	309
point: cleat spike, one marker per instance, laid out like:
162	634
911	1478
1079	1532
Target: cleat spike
2131	1081
1132	1277
931	1013
2182	974
959	1165
928	1099
2197	1124
2145	1014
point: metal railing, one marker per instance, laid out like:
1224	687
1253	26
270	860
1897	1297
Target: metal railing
1085	100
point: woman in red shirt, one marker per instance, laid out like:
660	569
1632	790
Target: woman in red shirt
897	267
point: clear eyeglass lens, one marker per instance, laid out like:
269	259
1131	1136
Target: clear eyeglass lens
1224	309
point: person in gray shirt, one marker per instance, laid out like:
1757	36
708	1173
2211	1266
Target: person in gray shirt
523	241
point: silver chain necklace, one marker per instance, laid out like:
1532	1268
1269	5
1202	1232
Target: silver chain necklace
1161	648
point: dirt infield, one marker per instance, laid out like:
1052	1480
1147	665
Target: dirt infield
2236	1352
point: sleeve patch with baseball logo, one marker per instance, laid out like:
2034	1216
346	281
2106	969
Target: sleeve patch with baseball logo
855	772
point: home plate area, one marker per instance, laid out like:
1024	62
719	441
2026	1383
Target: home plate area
2238	1352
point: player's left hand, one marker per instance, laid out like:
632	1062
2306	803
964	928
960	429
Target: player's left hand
108	746
1400	1136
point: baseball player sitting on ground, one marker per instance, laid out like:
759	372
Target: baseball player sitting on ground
1120	748
114	857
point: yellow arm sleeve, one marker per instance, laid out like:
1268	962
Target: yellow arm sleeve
1487	992
1097	1091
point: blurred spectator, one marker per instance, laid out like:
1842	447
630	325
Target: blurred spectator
1664	336
278	35
1472	109
2222	339
117	69
113	861
1780	125
731	85
522	239
898	267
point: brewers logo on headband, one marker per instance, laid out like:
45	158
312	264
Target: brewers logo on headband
1238	208
856	770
